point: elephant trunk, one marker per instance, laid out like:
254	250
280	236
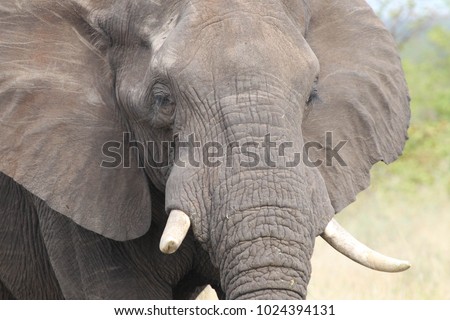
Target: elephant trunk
263	235
262	259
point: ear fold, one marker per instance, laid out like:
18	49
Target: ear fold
57	111
363	98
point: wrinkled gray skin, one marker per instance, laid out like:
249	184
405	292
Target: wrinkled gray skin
76	74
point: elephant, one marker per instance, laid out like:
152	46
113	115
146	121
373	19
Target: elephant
107	107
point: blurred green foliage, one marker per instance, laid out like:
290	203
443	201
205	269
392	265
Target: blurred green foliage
428	75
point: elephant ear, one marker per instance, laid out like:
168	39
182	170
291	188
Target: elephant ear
362	96
57	111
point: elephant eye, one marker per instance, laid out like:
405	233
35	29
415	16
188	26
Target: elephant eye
162	106
162	101
314	94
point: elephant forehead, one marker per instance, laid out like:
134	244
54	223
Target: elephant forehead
238	45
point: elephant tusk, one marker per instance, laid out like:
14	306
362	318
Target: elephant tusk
345	243
175	231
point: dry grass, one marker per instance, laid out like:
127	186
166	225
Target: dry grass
414	227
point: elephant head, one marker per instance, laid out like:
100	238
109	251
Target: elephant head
253	83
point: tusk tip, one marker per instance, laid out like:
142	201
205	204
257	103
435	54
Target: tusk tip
176	229
403	266
346	244
169	246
